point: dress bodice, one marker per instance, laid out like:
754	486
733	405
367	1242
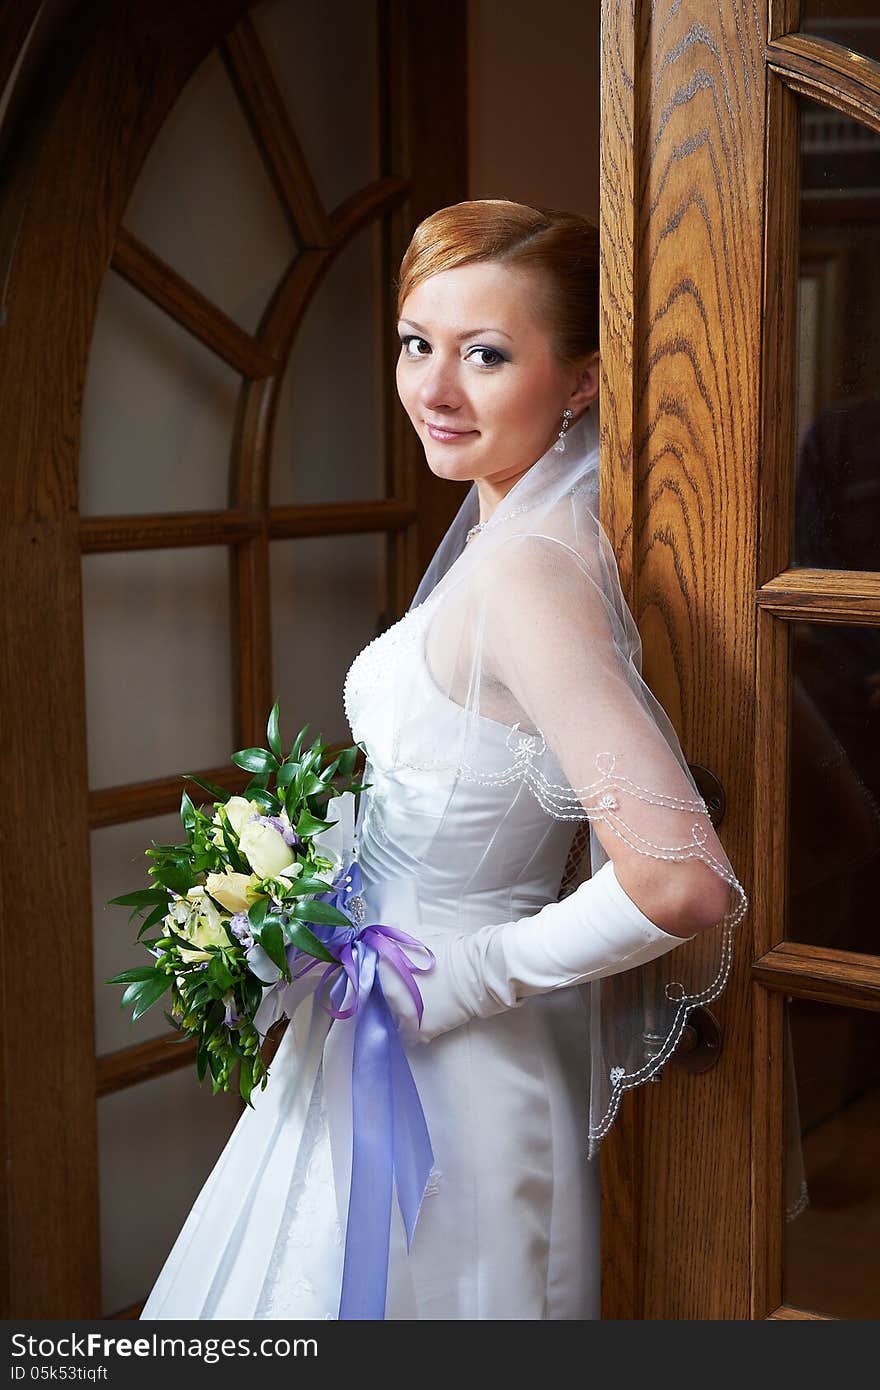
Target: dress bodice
456	849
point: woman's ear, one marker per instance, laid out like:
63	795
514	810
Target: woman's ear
586	387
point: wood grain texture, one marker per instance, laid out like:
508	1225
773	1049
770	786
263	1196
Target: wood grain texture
700	80
622	32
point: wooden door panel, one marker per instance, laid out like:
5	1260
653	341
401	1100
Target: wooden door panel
103	99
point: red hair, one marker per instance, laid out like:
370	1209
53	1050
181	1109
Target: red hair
561	246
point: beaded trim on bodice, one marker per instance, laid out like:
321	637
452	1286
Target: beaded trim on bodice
374	666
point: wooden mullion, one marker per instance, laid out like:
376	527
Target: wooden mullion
829	596
254	81
105	534
818	972
143	269
117	1070
767	1150
252	633
138	800
829	77
768	908
340	518
366	205
779	342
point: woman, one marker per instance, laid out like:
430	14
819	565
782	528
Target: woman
504	719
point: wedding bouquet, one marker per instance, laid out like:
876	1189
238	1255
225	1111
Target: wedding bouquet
235	905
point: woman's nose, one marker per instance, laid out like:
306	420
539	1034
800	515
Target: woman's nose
439	387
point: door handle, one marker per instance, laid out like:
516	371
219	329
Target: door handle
699	1047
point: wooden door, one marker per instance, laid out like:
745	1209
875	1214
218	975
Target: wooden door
169	524
740	204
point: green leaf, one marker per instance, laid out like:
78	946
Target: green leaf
187	815
245	1079
324	913
150	993
219	793
175	877
299	935
257	912
157	915
273	737
347	761
308	824
271	938
268	800
313	785
286	774
236	858
138	972
298	742
305	884
201	1061
252	992
219	973
258	760
142	898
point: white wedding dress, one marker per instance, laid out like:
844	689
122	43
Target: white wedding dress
509	1226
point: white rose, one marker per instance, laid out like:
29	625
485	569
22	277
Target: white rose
231	889
265	849
238	811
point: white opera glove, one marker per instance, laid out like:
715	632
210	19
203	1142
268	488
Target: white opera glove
596	931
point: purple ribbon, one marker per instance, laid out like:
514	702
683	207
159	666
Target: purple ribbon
390	1140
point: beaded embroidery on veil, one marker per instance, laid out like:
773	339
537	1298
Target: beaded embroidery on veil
527	641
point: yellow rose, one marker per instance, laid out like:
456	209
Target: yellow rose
232	890
265	849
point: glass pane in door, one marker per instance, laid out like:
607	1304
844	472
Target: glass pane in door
832	1132
326	62
837	463
157	1143
120	865
328	433
204	201
158	663
852	23
834	786
328	601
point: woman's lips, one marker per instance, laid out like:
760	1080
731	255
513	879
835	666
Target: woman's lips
448	436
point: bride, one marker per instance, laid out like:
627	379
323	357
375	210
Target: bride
530	818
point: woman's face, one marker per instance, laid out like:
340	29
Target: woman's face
477	375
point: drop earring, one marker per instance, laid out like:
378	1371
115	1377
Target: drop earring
559	446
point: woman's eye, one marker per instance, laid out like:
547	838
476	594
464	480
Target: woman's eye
484	352
411	338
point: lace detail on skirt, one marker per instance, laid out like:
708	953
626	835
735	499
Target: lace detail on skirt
305	1272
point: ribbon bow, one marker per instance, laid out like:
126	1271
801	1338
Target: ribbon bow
390	1140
